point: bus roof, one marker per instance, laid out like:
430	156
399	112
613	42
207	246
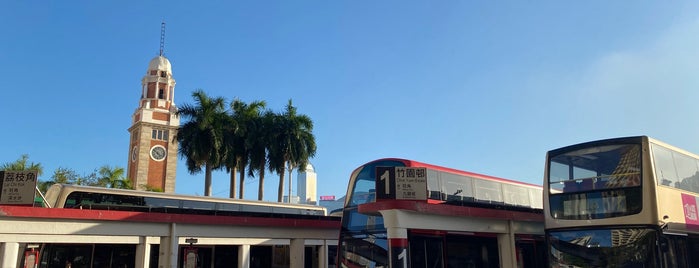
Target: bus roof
612	141
412	163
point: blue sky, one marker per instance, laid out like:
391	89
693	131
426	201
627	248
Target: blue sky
483	86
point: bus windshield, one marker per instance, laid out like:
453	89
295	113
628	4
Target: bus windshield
623	247
595	182
363	239
599	167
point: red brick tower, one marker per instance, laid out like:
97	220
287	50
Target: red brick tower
152	148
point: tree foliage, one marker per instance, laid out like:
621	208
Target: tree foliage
248	146
113	178
106	176
23	164
247	137
293	144
201	137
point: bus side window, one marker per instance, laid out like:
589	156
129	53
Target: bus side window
570	186
674	251
692	247
600	184
586	185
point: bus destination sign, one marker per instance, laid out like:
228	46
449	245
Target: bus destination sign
401	183
17	187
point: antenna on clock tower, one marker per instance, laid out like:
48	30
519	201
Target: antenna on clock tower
162	37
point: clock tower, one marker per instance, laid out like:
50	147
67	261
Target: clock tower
152	159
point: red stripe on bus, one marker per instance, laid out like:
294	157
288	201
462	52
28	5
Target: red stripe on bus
111	215
398	242
450	210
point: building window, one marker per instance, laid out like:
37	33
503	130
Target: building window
163	74
160	93
159	134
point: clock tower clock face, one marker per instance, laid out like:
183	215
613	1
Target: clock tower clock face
134	154
158	153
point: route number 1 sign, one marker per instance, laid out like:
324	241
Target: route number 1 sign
401	183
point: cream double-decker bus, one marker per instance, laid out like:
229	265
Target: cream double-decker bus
623	202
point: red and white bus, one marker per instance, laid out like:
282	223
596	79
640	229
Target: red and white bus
403	213
623	202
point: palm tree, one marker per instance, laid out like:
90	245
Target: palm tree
201	138
277	159
150	188
258	146
23	164
230	158
245	144
293	144
113	178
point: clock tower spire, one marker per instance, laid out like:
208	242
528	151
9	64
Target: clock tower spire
152	149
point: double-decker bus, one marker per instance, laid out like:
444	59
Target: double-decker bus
623	202
403	213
